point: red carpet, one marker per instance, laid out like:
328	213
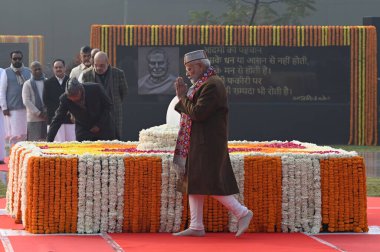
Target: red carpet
373	211
4	167
58	243
373	202
2	203
218	242
6	222
354	243
373	216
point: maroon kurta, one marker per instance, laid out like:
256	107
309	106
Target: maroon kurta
208	165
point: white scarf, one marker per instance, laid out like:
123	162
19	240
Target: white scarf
20	78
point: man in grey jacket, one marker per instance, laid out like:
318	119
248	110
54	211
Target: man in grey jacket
113	81
11	99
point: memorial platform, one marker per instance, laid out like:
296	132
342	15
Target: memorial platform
93	187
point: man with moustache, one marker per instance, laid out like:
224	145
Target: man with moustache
201	157
35	109
113	81
85	57
11	99
93	52
53	89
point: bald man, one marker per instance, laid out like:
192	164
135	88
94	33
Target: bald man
36	115
94	51
114	82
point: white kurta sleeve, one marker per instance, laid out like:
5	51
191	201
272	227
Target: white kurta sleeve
3	89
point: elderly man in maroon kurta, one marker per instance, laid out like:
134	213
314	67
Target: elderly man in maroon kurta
201	156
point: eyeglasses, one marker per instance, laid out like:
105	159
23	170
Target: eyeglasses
16	58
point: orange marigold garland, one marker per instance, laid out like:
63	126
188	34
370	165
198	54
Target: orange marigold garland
142	193
256	175
74	195
339	214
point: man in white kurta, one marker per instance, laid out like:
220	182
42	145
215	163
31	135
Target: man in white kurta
85	58
35	108
3	80
11	99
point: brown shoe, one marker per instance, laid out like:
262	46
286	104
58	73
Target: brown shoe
243	223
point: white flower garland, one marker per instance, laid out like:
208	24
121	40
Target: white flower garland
12	177
178	208
285	193
16	182
120	193
89	214
172	200
101	193
304	164
97	194
164	192
297	194
317	217
237	162
24	178
105	195
301	194
82	160
112	213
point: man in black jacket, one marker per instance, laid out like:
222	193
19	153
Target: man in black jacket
53	89
91	108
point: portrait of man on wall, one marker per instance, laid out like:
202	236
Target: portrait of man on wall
157	70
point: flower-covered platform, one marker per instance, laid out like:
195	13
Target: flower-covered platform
92	187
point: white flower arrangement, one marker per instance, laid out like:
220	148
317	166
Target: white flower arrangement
89	195
164	192
112	213
162	137
301	195
81	194
172	200
120	193
237	162
97	194
105	195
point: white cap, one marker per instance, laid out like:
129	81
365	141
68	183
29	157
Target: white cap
194	55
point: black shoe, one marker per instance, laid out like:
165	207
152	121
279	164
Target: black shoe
2	162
